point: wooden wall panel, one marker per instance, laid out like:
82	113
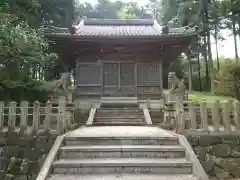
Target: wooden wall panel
88	74
119	78
149	74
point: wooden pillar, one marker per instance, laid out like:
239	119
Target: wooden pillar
76	76
161	76
102	78
119	77
136	78
189	75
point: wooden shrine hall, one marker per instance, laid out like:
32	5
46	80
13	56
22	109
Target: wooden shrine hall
120	58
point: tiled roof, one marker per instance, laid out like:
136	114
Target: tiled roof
122	28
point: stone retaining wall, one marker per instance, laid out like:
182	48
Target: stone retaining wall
22	154
219	156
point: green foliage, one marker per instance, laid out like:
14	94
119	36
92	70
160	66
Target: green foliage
57	12
21	49
24	57
178	66
110	10
17	91
228	79
128	12
205	86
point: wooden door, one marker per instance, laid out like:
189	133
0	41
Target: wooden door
119	79
110	79
127	78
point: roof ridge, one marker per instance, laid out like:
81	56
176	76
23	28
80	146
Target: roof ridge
119	22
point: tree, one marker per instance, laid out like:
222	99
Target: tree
24	54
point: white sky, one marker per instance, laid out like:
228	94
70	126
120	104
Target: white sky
225	48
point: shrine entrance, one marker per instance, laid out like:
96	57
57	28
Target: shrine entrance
119	79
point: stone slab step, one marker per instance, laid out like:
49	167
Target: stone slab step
119	116
119	109
122	165
125	151
119	104
123	115
103	119
119	98
119	123
125	177
122	111
171	140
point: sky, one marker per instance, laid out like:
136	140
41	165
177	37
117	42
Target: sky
225	48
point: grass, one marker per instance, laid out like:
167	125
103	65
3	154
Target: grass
198	96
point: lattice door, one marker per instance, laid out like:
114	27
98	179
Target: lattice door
127	79
110	78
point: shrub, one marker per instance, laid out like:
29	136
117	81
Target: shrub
227	79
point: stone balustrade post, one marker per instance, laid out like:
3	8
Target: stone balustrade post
192	114
216	115
61	114
12	115
226	116
1	115
23	115
204	115
36	116
237	114
47	120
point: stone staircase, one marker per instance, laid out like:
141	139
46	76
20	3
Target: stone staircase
132	116
120	146
116	111
121	153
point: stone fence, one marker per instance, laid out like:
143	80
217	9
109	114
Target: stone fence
27	133
205	117
50	117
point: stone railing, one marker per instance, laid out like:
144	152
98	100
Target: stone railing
35	117
205	117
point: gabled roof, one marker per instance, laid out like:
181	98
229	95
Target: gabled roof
122	28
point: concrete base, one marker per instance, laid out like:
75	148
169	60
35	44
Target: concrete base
88	104
123	165
124	153
120	131
124	177
121	151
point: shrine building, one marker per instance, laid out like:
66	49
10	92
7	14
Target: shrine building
120	58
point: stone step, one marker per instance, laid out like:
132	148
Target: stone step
124	177
111	115
119	123
154	151
119	104
171	140
119	119
122	165
133	111
119	110
119	116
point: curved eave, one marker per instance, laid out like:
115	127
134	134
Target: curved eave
77	38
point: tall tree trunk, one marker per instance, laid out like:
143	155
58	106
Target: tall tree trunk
216	46
210	59
199	73
206	61
235	35
205	28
